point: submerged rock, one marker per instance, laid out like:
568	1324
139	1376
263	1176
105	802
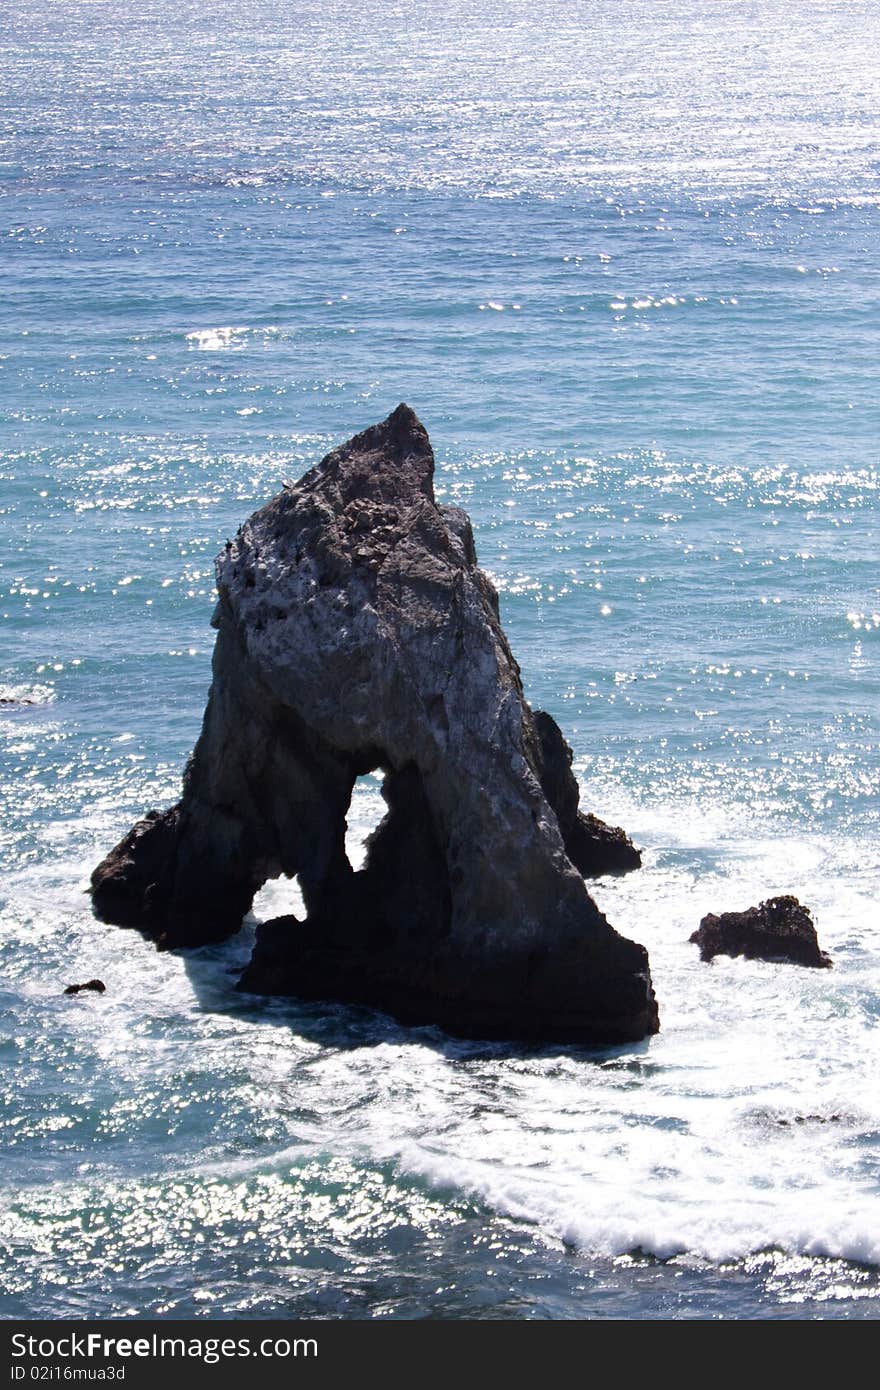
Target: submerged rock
355	633
97	987
780	929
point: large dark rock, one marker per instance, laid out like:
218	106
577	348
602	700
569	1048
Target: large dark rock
780	929
131	887
356	632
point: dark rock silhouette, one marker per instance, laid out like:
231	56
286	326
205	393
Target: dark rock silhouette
780	929
129	887
97	986
356	632
592	846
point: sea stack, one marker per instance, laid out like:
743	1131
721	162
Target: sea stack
780	929
355	632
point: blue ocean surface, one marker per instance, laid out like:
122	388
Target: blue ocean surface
623	259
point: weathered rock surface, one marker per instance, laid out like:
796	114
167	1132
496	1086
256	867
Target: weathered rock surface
356	632
780	929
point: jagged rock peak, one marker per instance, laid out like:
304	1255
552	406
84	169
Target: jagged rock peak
356	632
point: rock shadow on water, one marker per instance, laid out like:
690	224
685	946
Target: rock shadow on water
213	973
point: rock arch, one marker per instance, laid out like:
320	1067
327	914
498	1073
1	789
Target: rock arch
357	632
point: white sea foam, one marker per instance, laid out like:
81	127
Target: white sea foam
229	337
21	695
216	339
749	1123
713	1223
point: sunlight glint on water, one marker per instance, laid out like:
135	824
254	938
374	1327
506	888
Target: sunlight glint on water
622	261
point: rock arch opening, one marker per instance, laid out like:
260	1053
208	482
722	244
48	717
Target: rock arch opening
366	812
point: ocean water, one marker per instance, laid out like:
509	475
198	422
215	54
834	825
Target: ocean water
623	261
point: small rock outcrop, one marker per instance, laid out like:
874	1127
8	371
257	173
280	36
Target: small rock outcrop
592	846
96	986
355	633
780	929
